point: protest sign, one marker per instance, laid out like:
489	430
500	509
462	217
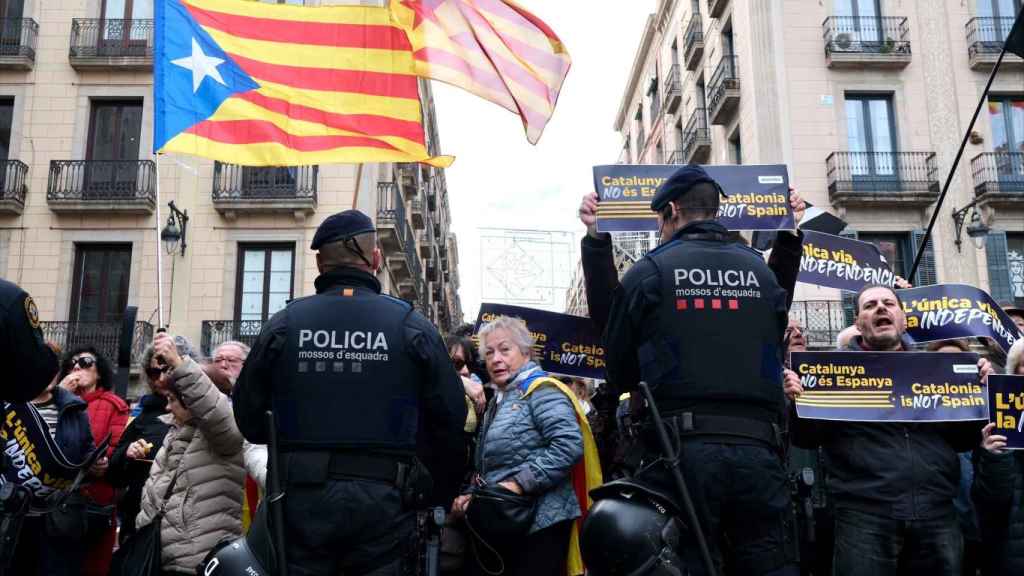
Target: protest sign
34	458
890	386
758	196
563	344
945	311
1006	408
844	263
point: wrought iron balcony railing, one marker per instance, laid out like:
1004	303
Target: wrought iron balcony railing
104	336
693	44
18	38
217	332
111	38
723	90
102	181
820	321
696	134
676	157
985	36
13	185
866	35
890	174
246	183
673	90
999	173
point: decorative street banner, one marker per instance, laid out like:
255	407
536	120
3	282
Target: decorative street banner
890	386
945	311
563	344
844	263
1006	408
35	461
758	196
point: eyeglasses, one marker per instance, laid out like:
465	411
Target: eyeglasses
84	362
155	373
459	364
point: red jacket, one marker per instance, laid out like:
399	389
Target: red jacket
108	414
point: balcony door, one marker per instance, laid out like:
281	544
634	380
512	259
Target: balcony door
871	139
11	26
860	20
269	182
1007	116
115	127
125	27
99	291
264	282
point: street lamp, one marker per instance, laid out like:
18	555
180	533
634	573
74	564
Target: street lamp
174	231
977	230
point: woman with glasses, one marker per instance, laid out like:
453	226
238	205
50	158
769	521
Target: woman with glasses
147	429
87	373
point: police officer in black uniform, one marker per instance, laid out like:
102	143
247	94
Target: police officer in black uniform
30	364
357	381
701	320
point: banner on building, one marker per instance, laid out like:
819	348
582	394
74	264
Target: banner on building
563	344
1006	408
844	263
890	386
758	196
949	311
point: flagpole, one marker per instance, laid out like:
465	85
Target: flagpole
159	256
956	162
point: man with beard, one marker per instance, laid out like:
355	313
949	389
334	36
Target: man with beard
892	485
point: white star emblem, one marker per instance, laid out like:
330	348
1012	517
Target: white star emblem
201	66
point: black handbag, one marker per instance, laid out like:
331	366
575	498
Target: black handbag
140	553
494	516
67	514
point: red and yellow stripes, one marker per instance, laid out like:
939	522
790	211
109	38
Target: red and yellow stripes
337	84
492	48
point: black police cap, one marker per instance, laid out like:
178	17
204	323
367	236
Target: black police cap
341	226
681	182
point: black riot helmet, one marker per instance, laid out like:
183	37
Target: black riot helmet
233	558
631	530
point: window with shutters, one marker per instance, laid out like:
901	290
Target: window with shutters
894	247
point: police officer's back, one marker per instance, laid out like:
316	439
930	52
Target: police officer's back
701	320
29	362
355	380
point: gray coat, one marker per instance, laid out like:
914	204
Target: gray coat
206	504
535	441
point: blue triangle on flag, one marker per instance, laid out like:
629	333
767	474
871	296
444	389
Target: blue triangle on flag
192	75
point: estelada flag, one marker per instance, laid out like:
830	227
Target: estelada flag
586	474
492	48
278	85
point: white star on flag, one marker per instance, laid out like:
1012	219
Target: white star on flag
201	66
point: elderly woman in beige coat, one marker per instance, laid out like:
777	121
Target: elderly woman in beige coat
204	447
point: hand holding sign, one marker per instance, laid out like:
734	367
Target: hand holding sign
994	443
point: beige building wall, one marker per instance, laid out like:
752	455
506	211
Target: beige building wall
790	107
53	93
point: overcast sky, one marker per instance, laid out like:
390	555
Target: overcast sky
499	179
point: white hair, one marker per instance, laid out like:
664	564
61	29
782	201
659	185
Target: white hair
240	345
516	330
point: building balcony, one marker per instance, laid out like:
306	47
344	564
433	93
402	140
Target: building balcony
985	38
418	211
999	178
407	175
697	138
217	332
717	7
724	91
676	157
693	43
105	336
397	240
13	187
673	93
126	186
854	42
18	43
111	44
820	321
251	189
882	178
